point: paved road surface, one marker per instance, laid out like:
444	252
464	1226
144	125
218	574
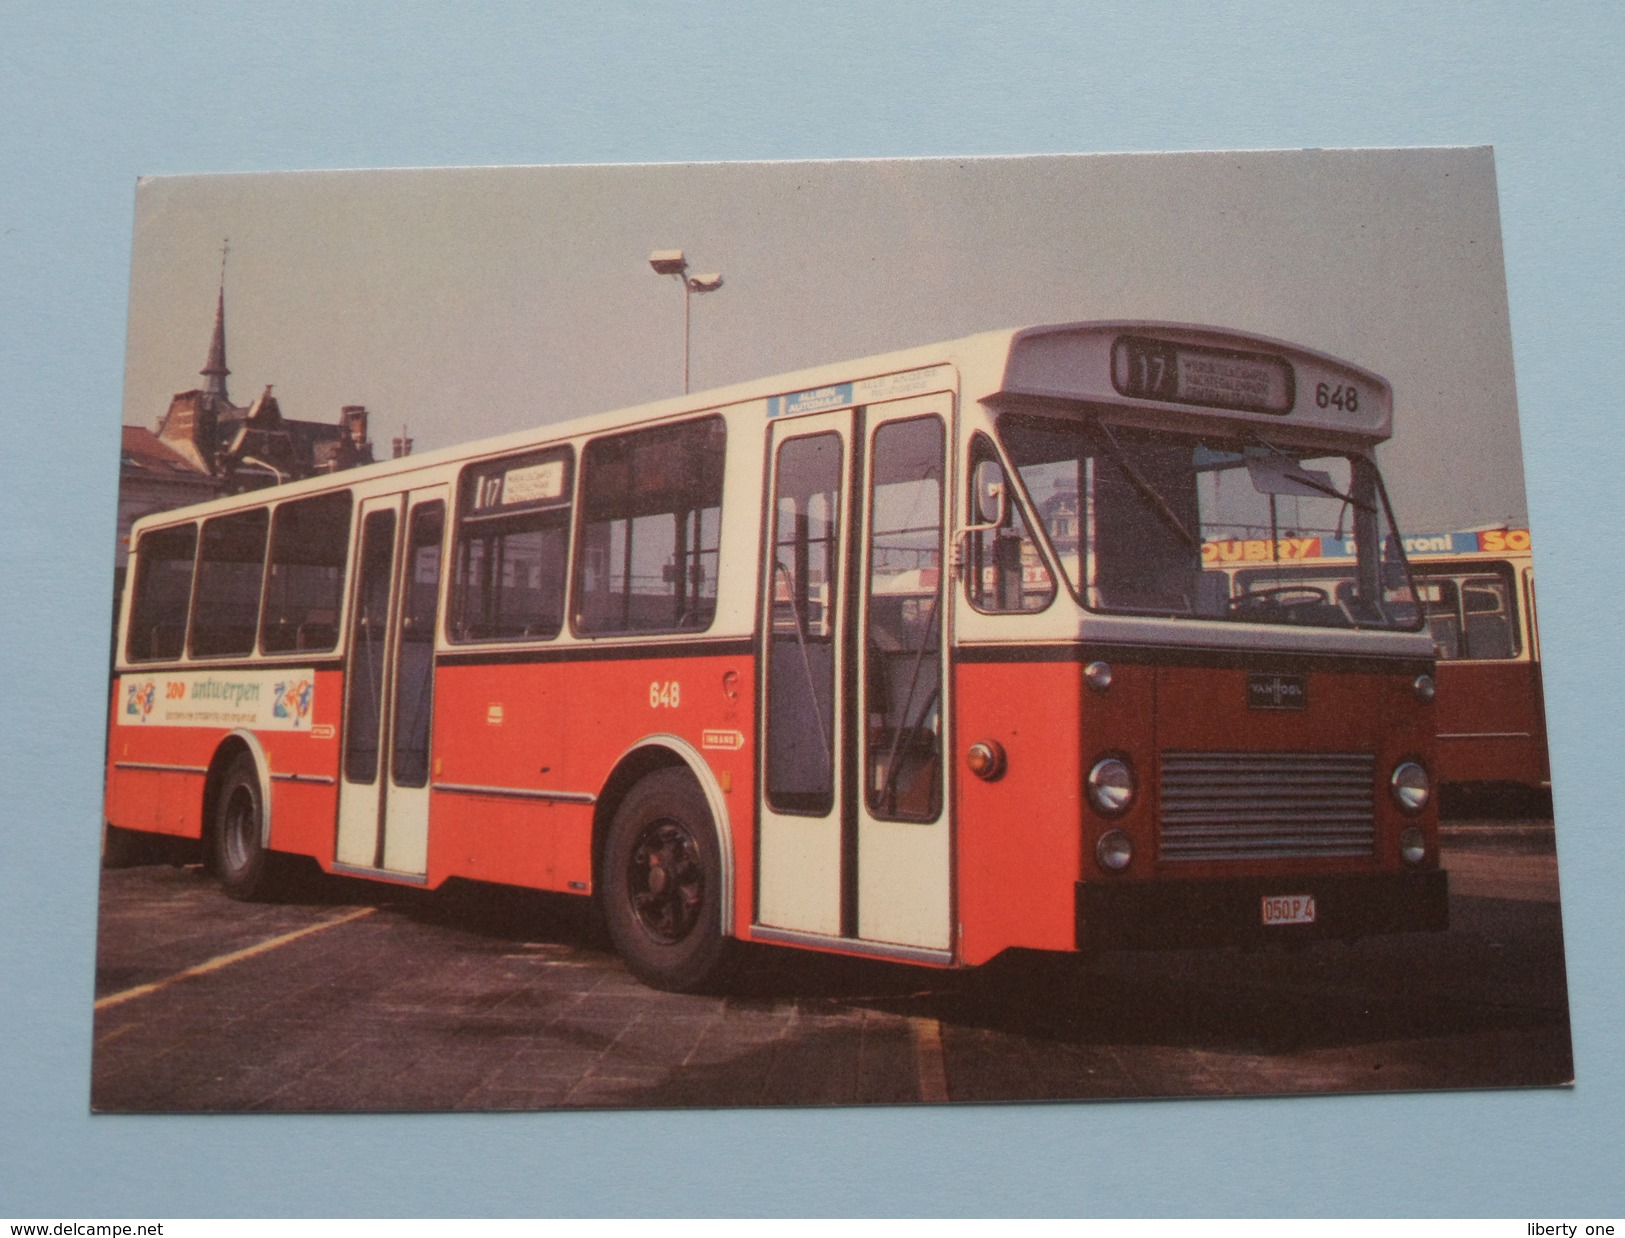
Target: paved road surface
355	996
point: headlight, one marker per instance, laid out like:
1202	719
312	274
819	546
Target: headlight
1410	786
1422	685
1114	851
1111	786
1413	847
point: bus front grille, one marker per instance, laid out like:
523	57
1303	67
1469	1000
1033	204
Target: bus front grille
1267	806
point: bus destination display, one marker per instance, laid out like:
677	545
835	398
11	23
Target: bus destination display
530	483
1148	369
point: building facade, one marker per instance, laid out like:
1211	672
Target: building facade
205	446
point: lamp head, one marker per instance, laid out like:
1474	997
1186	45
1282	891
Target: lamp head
668	262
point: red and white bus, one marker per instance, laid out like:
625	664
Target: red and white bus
912	657
1477	590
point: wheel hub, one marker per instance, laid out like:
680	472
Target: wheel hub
666	881
240	829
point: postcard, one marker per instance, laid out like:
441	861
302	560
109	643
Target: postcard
825	633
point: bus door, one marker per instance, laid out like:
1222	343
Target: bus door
389	682
855	839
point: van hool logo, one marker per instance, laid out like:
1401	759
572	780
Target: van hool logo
139	698
292	700
1277	692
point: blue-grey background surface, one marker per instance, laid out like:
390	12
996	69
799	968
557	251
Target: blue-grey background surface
91	96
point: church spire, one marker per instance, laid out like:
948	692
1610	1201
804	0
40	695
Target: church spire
215	369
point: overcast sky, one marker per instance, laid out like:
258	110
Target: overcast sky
470	302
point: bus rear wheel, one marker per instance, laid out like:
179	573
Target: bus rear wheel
662	886
241	859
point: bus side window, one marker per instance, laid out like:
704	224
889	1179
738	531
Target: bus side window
305	584
651	529
903	688
1485	604
414	657
510	578
1003	570
800	720
231	567
512	540
1441	604
162	593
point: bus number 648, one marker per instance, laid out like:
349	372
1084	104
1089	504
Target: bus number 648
664	695
1346	398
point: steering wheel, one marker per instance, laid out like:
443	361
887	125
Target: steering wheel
1300	595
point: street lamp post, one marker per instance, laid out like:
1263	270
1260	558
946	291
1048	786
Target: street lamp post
672	262
257	463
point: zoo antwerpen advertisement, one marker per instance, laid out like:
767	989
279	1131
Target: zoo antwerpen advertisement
259	700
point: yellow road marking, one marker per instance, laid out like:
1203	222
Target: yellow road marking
226	960
933	1069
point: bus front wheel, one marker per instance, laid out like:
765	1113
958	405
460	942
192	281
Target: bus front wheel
241	859
662	885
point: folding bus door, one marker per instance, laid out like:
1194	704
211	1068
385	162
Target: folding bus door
854	842
805	709
389	689
904	837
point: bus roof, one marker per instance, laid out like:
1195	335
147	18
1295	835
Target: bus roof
1056	362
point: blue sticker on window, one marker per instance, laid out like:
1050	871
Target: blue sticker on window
814	401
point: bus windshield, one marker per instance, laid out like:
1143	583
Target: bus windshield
1221	526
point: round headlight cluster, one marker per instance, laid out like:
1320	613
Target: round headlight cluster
1114	851
1410	786
1098	675
1422	685
1413	846
1111	786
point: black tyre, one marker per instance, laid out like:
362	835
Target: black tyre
237	844
662	886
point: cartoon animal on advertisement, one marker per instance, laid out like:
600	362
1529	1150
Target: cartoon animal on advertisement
293	700
139	698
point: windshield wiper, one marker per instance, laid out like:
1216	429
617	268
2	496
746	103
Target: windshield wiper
1147	491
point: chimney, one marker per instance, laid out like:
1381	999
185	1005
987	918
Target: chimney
353	419
402	445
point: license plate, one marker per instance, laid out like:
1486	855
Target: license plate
1289	909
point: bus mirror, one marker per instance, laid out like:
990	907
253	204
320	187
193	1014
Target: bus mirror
991	495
